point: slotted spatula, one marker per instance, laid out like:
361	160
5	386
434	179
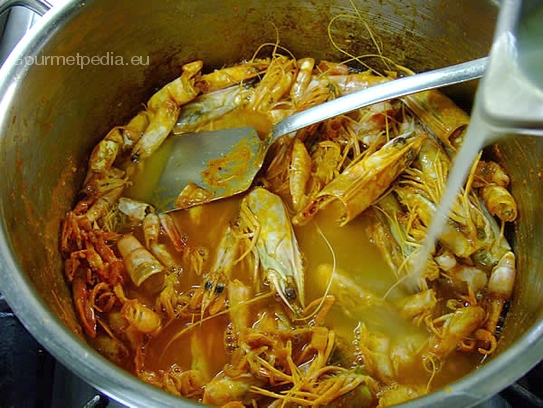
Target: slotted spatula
222	163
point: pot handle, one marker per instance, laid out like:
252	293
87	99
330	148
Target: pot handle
37	6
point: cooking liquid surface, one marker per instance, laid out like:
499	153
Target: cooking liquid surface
202	346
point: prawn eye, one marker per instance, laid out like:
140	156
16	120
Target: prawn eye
399	142
312	210
290	293
219	288
208	285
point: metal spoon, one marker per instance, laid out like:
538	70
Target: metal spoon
223	163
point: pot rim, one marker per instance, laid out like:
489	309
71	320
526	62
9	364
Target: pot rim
126	388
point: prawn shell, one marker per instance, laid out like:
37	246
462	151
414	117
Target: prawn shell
83	305
394	238
299	174
420	303
277	247
303	78
364	182
158	130
141	317
180	91
275	83
502	278
453	236
166	106
151	229
228	76
140	263
500	202
488	172
207	108
440	115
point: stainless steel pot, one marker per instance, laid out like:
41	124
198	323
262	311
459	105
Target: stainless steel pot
51	116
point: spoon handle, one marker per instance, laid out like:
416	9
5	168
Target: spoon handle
378	93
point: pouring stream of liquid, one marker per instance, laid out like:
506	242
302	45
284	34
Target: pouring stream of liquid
477	134
509	101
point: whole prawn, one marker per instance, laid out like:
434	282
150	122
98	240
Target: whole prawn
264	214
367	179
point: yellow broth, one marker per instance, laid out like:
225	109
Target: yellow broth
365	310
203	345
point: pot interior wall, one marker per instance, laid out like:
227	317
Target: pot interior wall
59	112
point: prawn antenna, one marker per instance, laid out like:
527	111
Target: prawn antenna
432	368
386	61
275	46
329	285
198	323
334	262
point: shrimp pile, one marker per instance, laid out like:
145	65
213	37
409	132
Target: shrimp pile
234	311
